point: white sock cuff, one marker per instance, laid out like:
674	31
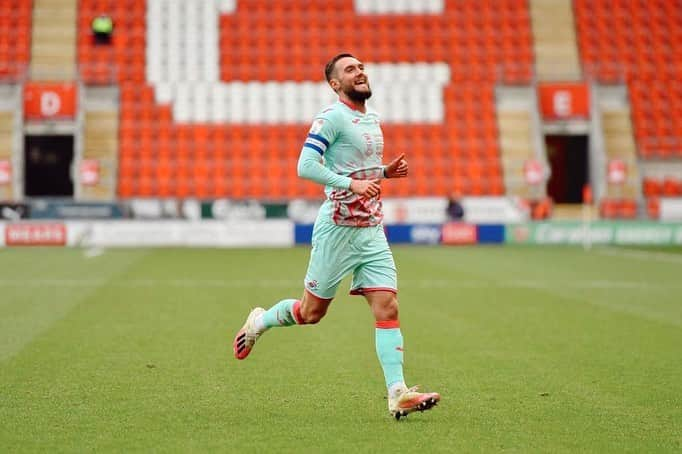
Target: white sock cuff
258	323
396	388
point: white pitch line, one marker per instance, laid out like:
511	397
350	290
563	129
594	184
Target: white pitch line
93	252
640	255
284	283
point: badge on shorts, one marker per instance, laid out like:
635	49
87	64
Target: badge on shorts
312	284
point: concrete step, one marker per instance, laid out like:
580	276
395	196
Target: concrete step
6	192
573	212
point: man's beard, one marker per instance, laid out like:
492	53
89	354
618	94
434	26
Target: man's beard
359	96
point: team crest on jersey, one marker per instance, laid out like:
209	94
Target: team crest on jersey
317	126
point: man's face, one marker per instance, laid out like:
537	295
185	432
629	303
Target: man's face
352	80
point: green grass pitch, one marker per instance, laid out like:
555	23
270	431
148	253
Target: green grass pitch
533	350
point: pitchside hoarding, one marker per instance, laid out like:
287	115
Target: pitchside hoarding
601	232
35	234
64	209
273	233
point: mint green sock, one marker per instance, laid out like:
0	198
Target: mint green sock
389	345
285	313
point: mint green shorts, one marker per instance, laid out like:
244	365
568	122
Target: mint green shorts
338	251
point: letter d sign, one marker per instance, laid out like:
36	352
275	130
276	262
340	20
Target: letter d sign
562	102
50	103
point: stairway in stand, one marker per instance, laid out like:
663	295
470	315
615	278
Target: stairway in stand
53	43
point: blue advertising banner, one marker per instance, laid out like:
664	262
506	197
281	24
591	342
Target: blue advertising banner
396	234
490	233
303	233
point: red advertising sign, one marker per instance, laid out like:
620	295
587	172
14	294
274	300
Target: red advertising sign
459	233
5	172
617	171
49	100
52	234
564	100
89	172
533	171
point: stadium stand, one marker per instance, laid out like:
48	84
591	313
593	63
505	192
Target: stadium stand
15	37
53	54
640	43
15	51
556	51
197	118
215	97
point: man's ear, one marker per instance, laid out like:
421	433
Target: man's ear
335	84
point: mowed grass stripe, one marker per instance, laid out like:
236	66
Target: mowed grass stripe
649	290
288	283
554	332
27	309
520	367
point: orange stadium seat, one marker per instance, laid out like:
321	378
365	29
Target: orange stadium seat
279	41
653	207
15	38
640	43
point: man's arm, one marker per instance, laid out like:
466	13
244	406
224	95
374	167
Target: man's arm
310	168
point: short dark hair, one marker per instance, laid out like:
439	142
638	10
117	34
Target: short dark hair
329	67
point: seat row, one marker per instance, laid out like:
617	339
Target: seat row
459	151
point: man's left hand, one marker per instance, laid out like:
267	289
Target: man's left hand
397	168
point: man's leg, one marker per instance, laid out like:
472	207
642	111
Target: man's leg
389	339
389	347
308	310
326	269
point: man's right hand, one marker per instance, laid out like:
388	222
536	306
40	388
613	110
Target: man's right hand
365	188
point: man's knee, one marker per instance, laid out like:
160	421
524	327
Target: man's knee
384	305
312	316
313	309
391	309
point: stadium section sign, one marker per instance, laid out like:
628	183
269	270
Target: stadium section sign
621	233
561	101
48	100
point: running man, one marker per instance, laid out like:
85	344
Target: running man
343	151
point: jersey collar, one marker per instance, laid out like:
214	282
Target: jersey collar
352	107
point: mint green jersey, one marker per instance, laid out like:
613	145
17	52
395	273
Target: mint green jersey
350	143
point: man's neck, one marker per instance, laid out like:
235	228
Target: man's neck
355	105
